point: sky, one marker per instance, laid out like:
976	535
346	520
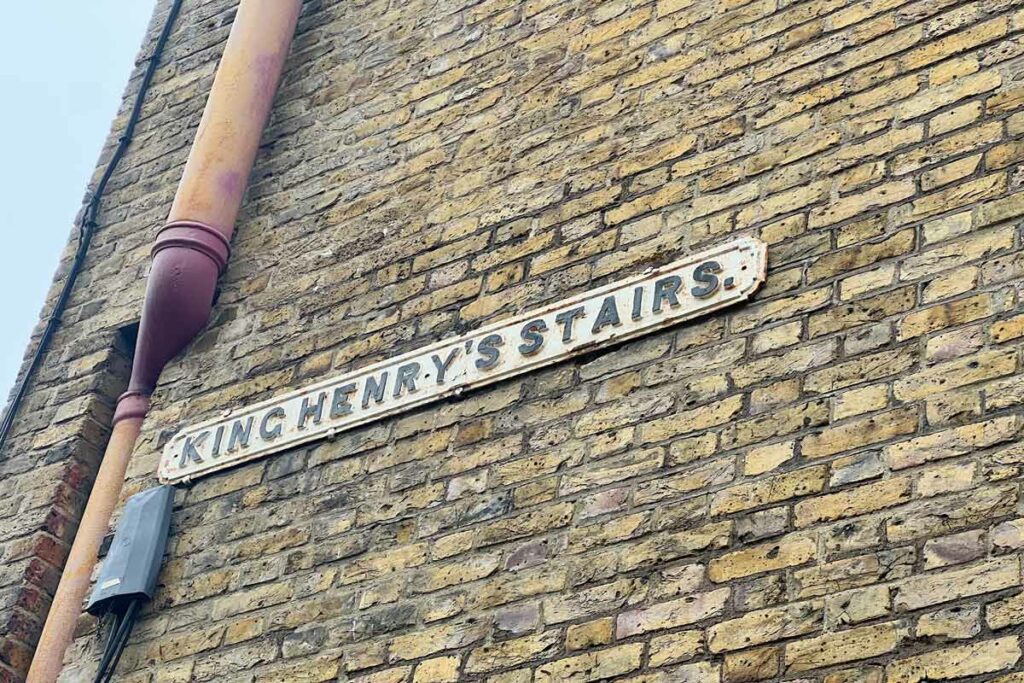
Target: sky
63	67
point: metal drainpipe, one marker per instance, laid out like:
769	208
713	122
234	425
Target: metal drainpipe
190	252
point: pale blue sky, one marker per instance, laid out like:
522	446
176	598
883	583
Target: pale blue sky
63	67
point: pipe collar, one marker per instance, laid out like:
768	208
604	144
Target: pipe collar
131	404
205	239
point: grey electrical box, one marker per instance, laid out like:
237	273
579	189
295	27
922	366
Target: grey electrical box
131	567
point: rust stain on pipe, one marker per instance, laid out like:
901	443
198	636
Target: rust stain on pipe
190	252
75	579
229	133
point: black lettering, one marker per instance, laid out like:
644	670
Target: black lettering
340	406
442	368
217	438
665	291
488	349
532	333
566	319
316	411
608	315
239	434
190	452
271	434
406	378
374	389
638	301
706	274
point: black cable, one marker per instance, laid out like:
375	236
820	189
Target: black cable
115	645
108	649
126	628
87	225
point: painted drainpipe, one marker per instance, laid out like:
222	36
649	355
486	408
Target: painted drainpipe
189	253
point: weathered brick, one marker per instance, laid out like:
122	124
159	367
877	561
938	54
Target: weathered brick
959	662
775	489
953	374
765	626
933	589
744	496
687	610
786	552
843	646
860	432
853	502
954	623
951	442
592	666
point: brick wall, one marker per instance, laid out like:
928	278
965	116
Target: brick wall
48	464
820	485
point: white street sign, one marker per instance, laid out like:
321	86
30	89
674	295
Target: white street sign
691	287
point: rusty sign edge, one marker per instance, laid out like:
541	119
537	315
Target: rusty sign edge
758	250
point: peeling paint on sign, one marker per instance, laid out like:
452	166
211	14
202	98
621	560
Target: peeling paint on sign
691	287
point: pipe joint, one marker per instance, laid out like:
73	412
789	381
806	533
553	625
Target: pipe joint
131	404
196	236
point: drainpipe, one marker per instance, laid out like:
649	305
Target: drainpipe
190	252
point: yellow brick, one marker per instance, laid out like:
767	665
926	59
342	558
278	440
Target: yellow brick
953	374
956	253
766	458
752	665
857	606
857	401
840	262
1006	330
844	646
772	311
853	502
777	337
950	284
439	670
946	228
774	489
688	610
950	198
765	626
861	311
1005	100
692	420
953	69
861	432
957	662
395	675
509	653
944	148
850	206
781	203
951	172
935	98
1005	155
1003	613
863	283
951	442
946	479
589	634
954	623
592	666
935	588
676	647
786	552
952	119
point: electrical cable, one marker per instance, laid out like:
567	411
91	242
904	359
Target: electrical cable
120	646
87	225
116	642
108	649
